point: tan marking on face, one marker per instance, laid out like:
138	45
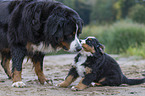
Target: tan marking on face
16	76
66	45
81	86
74	33
88	70
67	81
90	39
88	48
79	31
39	72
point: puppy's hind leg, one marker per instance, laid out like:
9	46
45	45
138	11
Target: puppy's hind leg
84	82
6	56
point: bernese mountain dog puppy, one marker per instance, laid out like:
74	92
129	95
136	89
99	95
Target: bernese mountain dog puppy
33	28
93	65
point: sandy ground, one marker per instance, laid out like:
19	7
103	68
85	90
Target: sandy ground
56	68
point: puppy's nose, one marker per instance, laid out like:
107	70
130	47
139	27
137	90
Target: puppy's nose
78	48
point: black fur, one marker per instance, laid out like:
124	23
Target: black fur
24	21
102	66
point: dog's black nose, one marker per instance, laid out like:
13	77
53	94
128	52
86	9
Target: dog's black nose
78	48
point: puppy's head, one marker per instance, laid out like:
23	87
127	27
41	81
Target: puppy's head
92	45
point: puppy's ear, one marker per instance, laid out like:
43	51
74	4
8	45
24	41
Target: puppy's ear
102	48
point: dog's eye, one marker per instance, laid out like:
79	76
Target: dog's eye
88	41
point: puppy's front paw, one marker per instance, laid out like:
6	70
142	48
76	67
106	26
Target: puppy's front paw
63	84
75	88
19	84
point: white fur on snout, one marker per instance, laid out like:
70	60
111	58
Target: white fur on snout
76	43
18	84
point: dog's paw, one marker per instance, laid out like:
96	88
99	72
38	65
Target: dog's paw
19	84
74	88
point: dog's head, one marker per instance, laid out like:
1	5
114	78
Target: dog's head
92	45
63	27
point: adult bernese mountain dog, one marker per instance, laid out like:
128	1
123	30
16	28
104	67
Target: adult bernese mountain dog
33	28
93	65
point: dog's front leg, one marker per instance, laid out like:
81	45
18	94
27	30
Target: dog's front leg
37	60
71	77
18	54
84	82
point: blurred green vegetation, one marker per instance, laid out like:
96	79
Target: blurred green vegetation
104	11
118	24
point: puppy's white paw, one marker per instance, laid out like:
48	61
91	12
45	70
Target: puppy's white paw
19	84
73	88
93	84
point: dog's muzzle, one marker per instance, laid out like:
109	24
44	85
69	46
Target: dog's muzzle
75	46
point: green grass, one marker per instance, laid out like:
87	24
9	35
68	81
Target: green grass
136	51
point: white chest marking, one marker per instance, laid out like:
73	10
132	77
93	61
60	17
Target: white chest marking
82	59
80	68
43	48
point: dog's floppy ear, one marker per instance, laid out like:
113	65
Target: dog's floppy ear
54	28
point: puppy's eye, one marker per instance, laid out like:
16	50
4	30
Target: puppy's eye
88	41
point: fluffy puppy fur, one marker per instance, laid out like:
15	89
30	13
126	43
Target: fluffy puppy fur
33	28
93	65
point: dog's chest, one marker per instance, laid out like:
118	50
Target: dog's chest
79	67
41	48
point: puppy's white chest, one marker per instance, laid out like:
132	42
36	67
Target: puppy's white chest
80	68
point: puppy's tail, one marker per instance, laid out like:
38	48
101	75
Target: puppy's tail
133	81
